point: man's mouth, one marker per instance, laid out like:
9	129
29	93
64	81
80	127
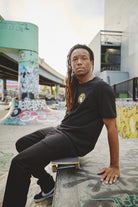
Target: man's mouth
79	69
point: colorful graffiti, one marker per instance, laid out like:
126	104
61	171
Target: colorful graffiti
31	112
28	74
127	119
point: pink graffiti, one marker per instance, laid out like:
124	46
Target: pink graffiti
38	116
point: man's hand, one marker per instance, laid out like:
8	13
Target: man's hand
110	174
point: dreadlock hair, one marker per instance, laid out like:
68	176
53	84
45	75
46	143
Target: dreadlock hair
71	79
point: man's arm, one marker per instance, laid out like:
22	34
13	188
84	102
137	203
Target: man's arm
111	174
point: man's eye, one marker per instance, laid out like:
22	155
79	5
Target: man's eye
74	59
84	58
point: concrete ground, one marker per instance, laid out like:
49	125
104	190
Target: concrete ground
84	187
9	134
91	191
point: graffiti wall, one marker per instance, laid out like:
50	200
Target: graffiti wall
127	119
28	75
31	112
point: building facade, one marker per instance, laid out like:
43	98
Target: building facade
116	47
116	60
122	15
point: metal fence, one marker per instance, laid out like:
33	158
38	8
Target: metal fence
127	90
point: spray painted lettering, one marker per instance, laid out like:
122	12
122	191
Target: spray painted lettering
34	105
131	200
31	112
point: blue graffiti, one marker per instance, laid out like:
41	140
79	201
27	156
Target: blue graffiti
24	68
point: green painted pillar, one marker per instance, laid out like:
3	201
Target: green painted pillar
28	75
15	36
22	38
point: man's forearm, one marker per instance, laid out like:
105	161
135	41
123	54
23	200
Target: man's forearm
113	146
111	173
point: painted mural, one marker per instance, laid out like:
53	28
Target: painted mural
28	75
127	119
31	112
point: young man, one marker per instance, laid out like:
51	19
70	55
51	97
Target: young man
90	104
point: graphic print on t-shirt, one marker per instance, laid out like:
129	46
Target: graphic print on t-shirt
81	98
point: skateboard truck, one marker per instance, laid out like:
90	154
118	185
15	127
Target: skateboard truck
70	162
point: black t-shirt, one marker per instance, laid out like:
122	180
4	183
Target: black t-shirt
94	101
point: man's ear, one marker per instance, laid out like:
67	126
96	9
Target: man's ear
92	65
92	62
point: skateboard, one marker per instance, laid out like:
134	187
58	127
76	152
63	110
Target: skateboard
45	203
70	162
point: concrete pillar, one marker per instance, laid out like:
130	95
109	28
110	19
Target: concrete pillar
56	91
22	38
51	90
2	95
4	90
28	75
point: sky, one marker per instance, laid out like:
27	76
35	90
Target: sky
61	23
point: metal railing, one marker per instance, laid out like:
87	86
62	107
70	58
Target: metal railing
127	90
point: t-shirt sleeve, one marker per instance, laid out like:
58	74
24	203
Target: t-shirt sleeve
106	101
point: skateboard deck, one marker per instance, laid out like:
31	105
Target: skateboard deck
45	203
70	162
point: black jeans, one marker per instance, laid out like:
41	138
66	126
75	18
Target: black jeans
36	150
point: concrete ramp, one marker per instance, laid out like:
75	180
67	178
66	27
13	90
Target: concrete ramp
30	112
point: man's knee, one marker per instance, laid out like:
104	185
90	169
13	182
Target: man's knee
15	160
21	144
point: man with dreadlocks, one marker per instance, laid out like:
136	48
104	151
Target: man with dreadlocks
90	104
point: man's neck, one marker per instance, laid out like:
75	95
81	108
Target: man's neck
85	79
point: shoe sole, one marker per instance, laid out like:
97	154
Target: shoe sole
44	198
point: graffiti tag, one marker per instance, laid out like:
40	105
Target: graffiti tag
34	105
131	200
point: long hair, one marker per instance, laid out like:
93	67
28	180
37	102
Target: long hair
71	79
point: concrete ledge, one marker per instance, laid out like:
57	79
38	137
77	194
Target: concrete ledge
83	188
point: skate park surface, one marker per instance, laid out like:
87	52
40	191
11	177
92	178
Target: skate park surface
80	187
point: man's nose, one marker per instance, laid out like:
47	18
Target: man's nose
79	61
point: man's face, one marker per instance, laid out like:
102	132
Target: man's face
80	62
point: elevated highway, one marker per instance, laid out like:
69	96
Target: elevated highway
9	70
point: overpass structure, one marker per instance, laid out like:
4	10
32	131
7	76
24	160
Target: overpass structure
49	76
9	70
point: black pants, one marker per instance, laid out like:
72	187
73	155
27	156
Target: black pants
36	150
